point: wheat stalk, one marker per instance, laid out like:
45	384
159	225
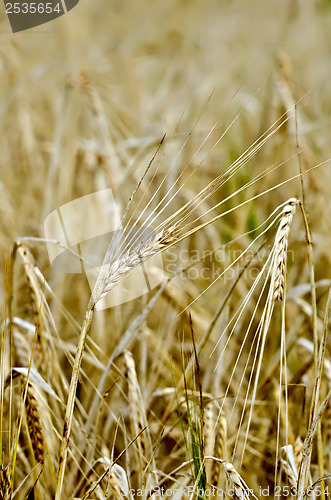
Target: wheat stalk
315	413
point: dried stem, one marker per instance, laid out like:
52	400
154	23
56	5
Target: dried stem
71	399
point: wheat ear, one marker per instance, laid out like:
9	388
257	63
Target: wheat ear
238	485
281	243
34	425
288	465
5	486
136	257
220	445
215	430
137	417
241	489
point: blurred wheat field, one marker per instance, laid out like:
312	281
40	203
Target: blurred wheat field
208	385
